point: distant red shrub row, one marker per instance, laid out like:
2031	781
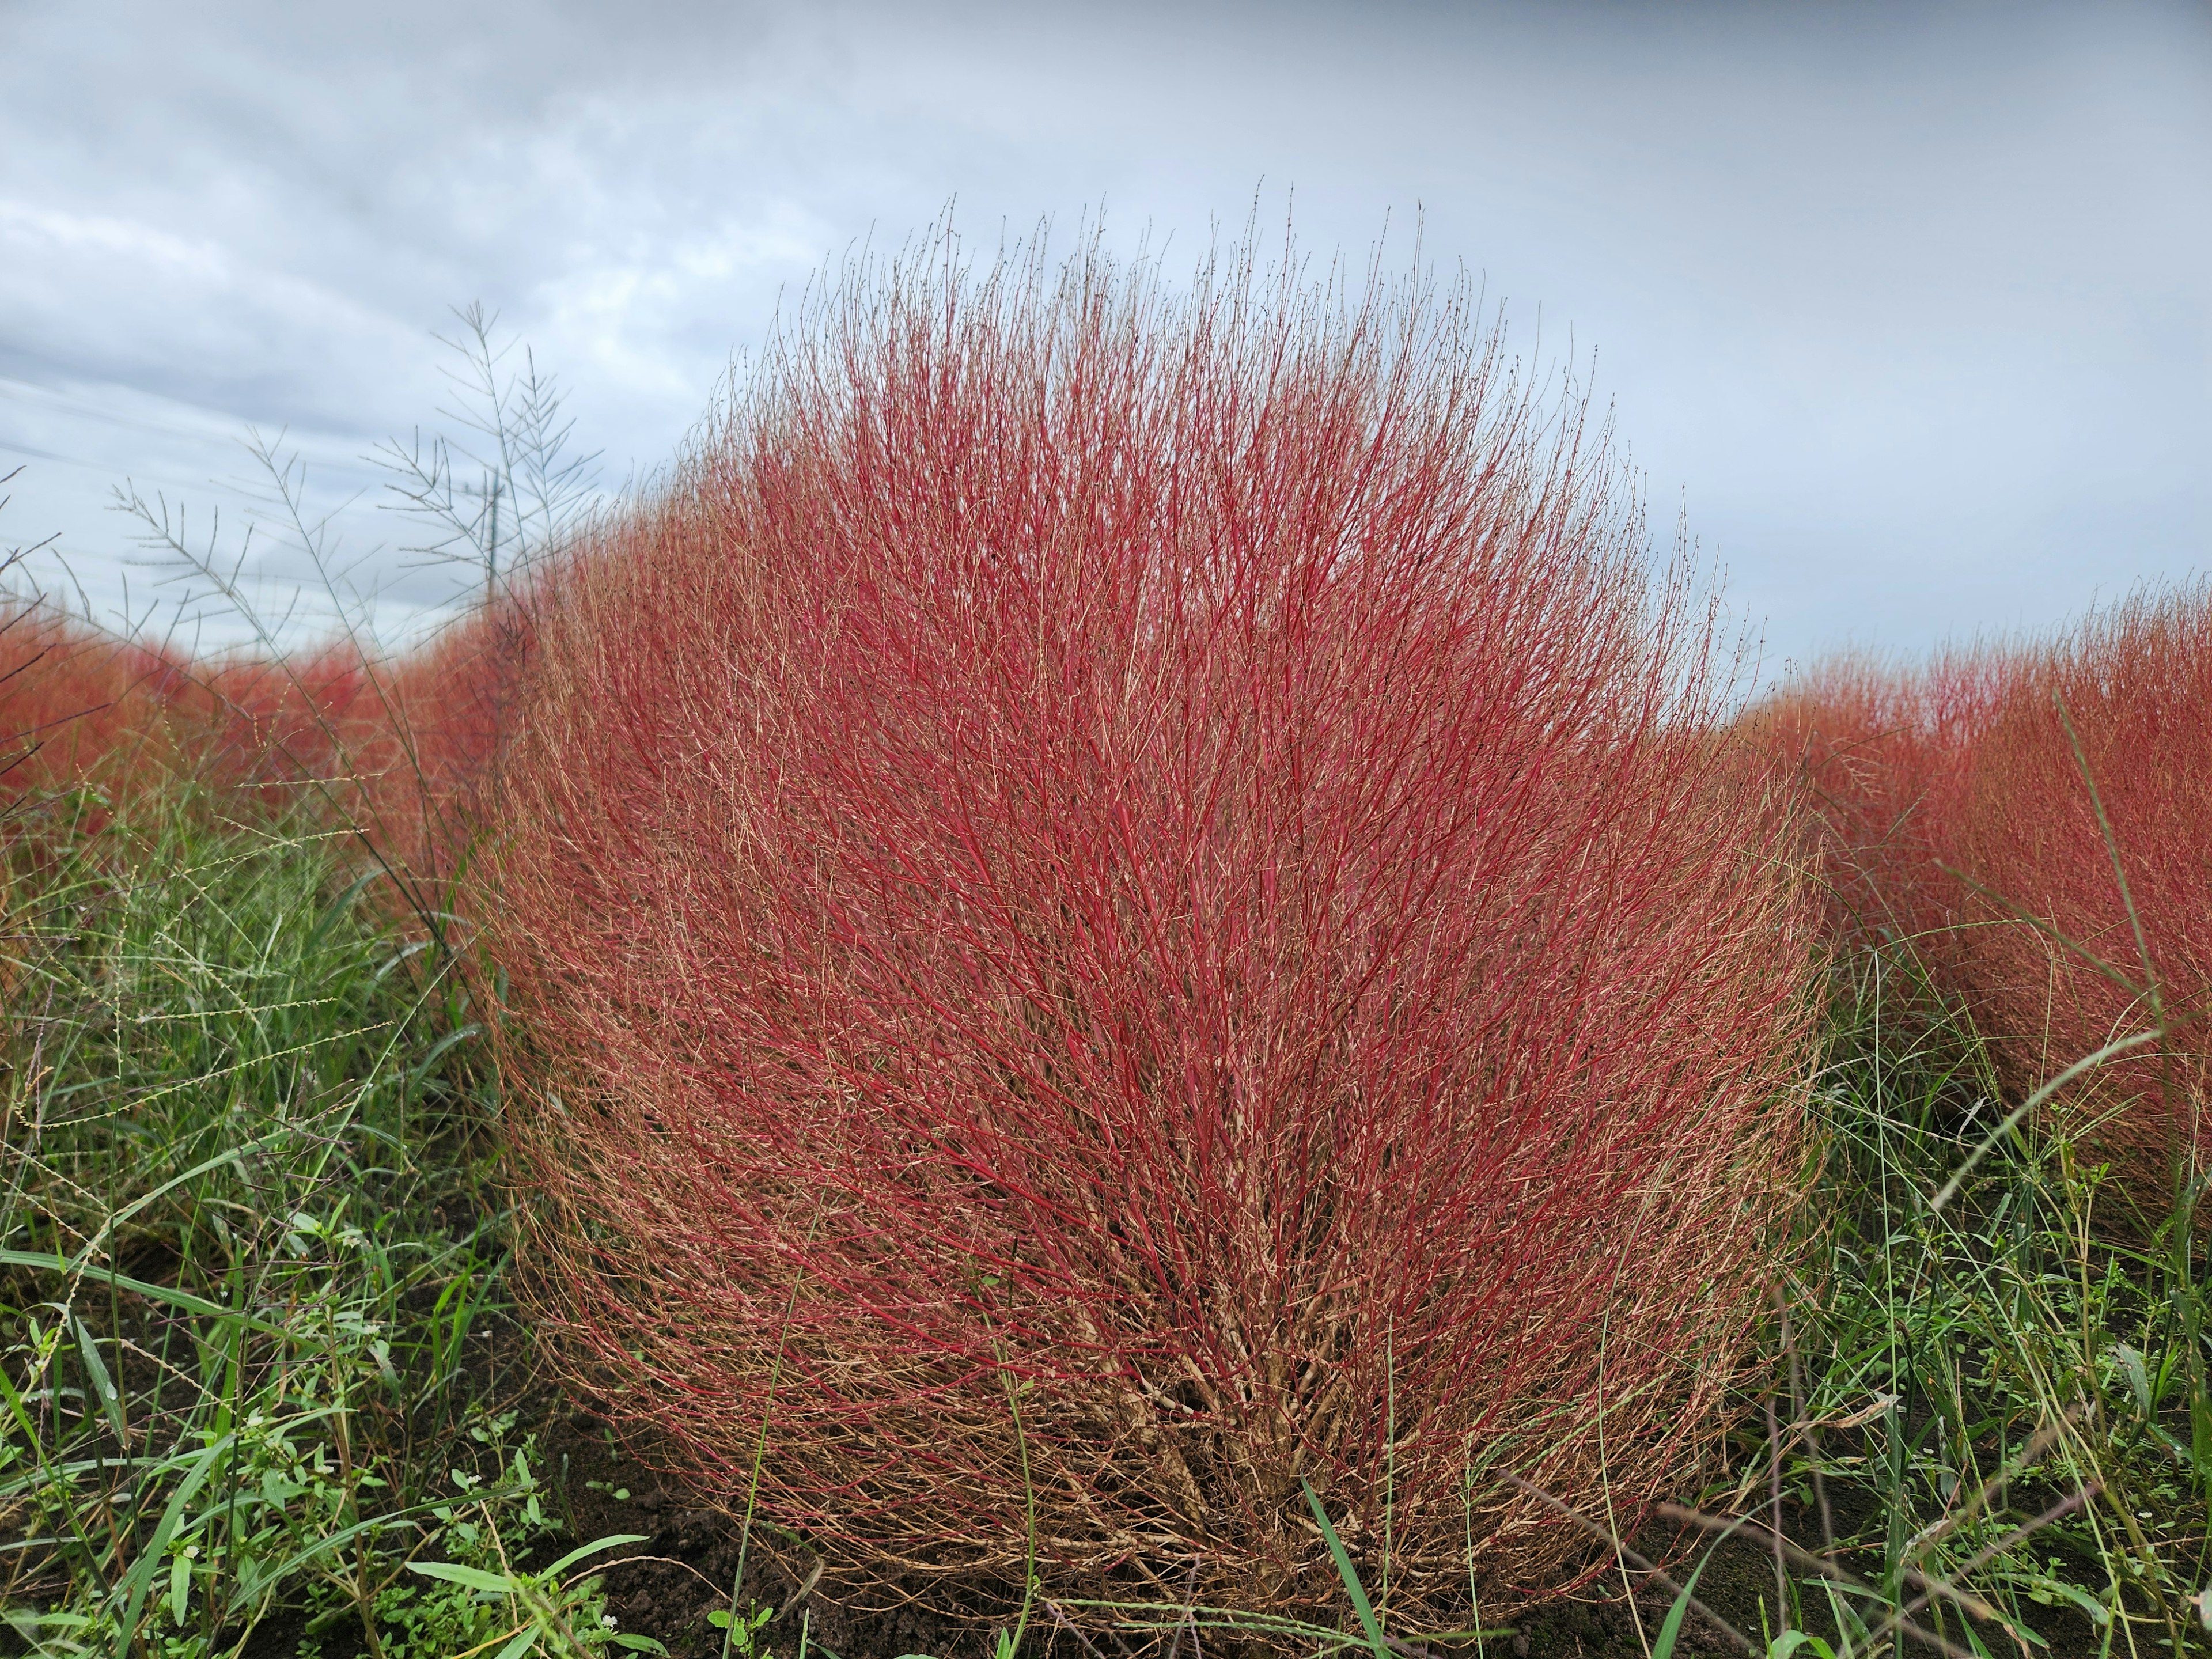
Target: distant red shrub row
401	749
1959	809
1120	902
70	700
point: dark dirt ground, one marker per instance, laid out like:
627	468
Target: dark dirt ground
672	1583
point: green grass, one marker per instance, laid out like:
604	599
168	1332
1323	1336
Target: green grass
2016	1371
254	1257
257	1377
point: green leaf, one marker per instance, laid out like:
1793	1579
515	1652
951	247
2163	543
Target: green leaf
253	1582
23	1619
2099	1613
1671	1632
89	1346
2131	1363
1368	1622
139	1578
338	909
592	1549
637	1644
275	1138
437	1051
175	1298
2200	1437
474	1577
1855	1633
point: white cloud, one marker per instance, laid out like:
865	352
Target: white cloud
1911	302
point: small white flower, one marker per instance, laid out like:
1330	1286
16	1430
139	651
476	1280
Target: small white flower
607	1619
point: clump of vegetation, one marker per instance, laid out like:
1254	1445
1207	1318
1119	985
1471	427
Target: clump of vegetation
1881	753
1127	908
2015	832
2082	838
72	700
2029	816
248	1252
1983	1408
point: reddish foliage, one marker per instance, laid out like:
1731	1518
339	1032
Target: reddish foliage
401	749
70	699
2137	682
431	761
1884	756
1953	807
1119	902
74	709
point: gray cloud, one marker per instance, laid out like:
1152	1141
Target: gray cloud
1909	305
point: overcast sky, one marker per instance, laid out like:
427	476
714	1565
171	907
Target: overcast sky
1909	307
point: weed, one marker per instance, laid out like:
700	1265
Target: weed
251	1251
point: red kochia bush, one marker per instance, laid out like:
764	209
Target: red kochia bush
2135	682
1884	756
1119	902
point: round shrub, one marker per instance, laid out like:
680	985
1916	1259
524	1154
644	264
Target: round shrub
1123	903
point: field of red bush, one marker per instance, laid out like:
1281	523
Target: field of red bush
1955	807
71	700
401	749
1126	908
1882	753
1120	903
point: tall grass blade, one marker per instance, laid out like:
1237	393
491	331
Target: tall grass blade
1368	1623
